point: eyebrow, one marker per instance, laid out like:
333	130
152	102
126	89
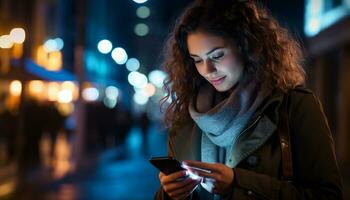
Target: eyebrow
209	52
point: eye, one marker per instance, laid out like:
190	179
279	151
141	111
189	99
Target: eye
217	55
196	60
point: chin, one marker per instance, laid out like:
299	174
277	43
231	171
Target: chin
221	89
225	87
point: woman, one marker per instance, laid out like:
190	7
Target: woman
237	110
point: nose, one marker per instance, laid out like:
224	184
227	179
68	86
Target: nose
209	67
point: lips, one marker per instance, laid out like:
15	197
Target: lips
217	81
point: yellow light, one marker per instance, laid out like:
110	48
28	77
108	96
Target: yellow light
17	51
65	108
68	85
150	89
8	187
62	154
55	61
18	35
36	87
41	56
65	96
16	88
52	91
5	42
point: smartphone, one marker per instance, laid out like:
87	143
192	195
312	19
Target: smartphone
167	165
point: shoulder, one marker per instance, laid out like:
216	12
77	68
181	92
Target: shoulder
303	102
302	89
299	92
305	106
300	96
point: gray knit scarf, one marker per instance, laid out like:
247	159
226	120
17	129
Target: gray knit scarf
222	121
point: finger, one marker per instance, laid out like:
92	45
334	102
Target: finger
202	173
205	166
185	190
172	177
160	175
170	187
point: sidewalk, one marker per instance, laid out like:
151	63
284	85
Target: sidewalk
118	174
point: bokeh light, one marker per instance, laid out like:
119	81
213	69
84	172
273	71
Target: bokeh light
90	94
141	29
133	64
110	103
104	46
157	77
16	88
65	96
52	91
18	35
137	79
112	92
143	12
36	87
140	99
59	44
5	42
119	55
50	45
150	89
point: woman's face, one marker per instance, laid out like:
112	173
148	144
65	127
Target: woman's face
216	60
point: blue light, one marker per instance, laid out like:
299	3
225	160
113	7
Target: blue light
59	44
119	55
143	12
50	45
137	79
140	99
110	103
157	77
317	18
90	94
104	46
141	29
112	92
133	64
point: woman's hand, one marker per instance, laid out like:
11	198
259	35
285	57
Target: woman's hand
220	175
177	185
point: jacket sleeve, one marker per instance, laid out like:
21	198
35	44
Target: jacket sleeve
161	194
316	174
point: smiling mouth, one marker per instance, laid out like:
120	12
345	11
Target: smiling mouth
217	81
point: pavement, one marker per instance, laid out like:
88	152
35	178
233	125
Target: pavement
118	173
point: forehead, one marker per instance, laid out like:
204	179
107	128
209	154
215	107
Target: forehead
200	42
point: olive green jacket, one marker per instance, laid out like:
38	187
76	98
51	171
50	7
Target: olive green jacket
258	172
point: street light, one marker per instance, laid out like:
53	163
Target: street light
18	35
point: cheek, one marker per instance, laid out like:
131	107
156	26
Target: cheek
200	70
232	67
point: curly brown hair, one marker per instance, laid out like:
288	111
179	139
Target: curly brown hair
269	53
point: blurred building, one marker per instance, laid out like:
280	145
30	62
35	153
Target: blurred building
327	25
73	61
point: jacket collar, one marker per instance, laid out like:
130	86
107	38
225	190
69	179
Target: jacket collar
187	143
